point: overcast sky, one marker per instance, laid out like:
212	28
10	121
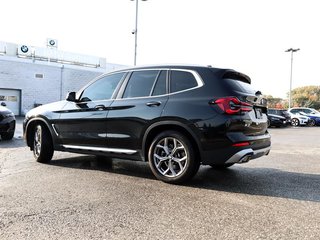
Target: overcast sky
246	35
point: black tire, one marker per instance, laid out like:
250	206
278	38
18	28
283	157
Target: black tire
42	144
172	158
268	123
312	122
7	136
295	122
221	166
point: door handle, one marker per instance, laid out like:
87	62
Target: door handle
153	104
100	107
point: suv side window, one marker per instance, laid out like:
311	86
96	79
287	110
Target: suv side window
182	80
271	111
101	89
160	87
140	83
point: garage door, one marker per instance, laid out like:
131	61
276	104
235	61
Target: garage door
12	98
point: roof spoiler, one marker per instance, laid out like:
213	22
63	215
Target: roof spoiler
237	76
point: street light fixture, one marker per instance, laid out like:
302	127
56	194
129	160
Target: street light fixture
135	32
292	50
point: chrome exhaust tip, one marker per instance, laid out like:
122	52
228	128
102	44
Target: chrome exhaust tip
245	158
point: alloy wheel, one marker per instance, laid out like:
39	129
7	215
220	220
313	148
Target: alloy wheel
37	143
170	157
312	122
295	122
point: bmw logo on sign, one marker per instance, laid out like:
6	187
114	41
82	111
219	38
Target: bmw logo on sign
52	42
24	48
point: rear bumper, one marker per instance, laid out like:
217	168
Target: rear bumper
258	146
246	155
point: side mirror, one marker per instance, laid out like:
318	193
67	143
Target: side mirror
71	97
3	104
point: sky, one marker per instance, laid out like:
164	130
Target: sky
250	36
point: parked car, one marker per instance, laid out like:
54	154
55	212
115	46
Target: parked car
175	117
7	123
280	112
276	121
298	119
314	115
309	111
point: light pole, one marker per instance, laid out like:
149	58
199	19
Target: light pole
292	50
135	32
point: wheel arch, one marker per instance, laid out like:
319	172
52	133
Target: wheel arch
31	126
159	127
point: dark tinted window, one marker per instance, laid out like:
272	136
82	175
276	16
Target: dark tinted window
271	111
160	87
102	88
306	111
239	86
140	84
181	80
294	111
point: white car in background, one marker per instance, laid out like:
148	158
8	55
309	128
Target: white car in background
297	119
308	111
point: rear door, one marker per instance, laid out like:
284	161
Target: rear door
140	102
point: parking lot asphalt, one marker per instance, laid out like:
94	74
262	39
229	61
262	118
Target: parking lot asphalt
76	197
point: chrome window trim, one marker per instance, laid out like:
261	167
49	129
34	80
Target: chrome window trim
193	72
196	75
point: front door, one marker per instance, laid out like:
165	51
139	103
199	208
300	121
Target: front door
84	122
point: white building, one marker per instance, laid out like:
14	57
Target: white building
30	76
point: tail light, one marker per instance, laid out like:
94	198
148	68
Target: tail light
232	105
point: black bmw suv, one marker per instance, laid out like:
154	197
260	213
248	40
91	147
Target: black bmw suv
174	117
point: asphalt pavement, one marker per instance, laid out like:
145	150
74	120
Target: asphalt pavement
78	197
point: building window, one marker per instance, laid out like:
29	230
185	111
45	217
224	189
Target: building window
39	75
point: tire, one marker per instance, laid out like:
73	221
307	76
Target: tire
42	144
221	166
172	158
295	122
312	122
7	136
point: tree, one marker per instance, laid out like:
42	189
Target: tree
274	102
308	96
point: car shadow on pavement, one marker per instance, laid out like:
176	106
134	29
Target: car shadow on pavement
260	181
238	179
118	166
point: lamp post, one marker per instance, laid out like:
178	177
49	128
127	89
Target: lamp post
135	32
292	50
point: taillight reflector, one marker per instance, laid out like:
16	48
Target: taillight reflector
232	105
242	144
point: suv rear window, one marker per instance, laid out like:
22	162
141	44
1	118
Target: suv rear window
239	86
